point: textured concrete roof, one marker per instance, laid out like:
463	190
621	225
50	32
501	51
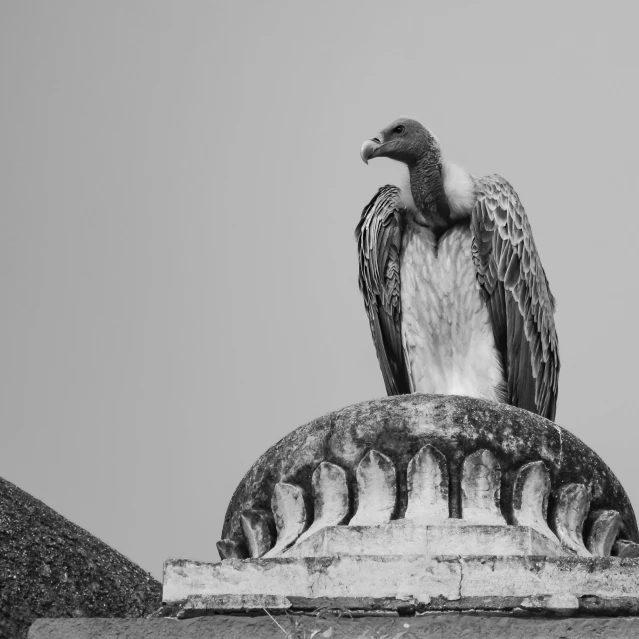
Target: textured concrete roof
49	567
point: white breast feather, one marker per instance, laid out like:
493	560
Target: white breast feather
446	331
460	190
459	187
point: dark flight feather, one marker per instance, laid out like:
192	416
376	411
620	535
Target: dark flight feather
516	291
379	241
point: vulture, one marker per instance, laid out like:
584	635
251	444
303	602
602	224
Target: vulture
457	299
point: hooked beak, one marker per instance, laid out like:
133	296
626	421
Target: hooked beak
370	149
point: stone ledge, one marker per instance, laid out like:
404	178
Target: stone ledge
417	582
450	626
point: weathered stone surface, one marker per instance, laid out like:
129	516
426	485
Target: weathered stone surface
49	567
626	549
610	606
388	576
376	490
290	516
400	426
427	479
450	626
530	498
564	605
531	576
258	528
481	486
197	605
571	509
603	528
330	495
437	583
405	537
229	549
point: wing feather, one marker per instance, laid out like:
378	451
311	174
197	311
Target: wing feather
379	237
518	297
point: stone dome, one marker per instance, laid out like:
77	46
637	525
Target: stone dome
398	427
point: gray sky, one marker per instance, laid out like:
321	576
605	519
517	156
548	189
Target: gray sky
179	185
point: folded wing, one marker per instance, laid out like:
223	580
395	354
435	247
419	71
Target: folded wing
379	238
519	300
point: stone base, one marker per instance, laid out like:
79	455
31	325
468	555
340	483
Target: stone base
406	585
402	537
441	626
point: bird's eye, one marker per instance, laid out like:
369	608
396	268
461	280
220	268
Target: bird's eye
399	129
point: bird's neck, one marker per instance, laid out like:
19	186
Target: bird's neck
427	189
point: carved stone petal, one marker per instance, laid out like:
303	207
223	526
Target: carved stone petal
258	529
289	510
572	502
376	490
330	495
481	487
530	498
427	487
229	549
604	528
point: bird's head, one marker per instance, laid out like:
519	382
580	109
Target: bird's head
404	140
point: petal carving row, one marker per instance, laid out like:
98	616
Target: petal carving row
271	534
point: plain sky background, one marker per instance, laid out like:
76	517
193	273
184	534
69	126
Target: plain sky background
179	185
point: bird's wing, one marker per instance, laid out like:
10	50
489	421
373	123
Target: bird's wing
379	239
519	300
